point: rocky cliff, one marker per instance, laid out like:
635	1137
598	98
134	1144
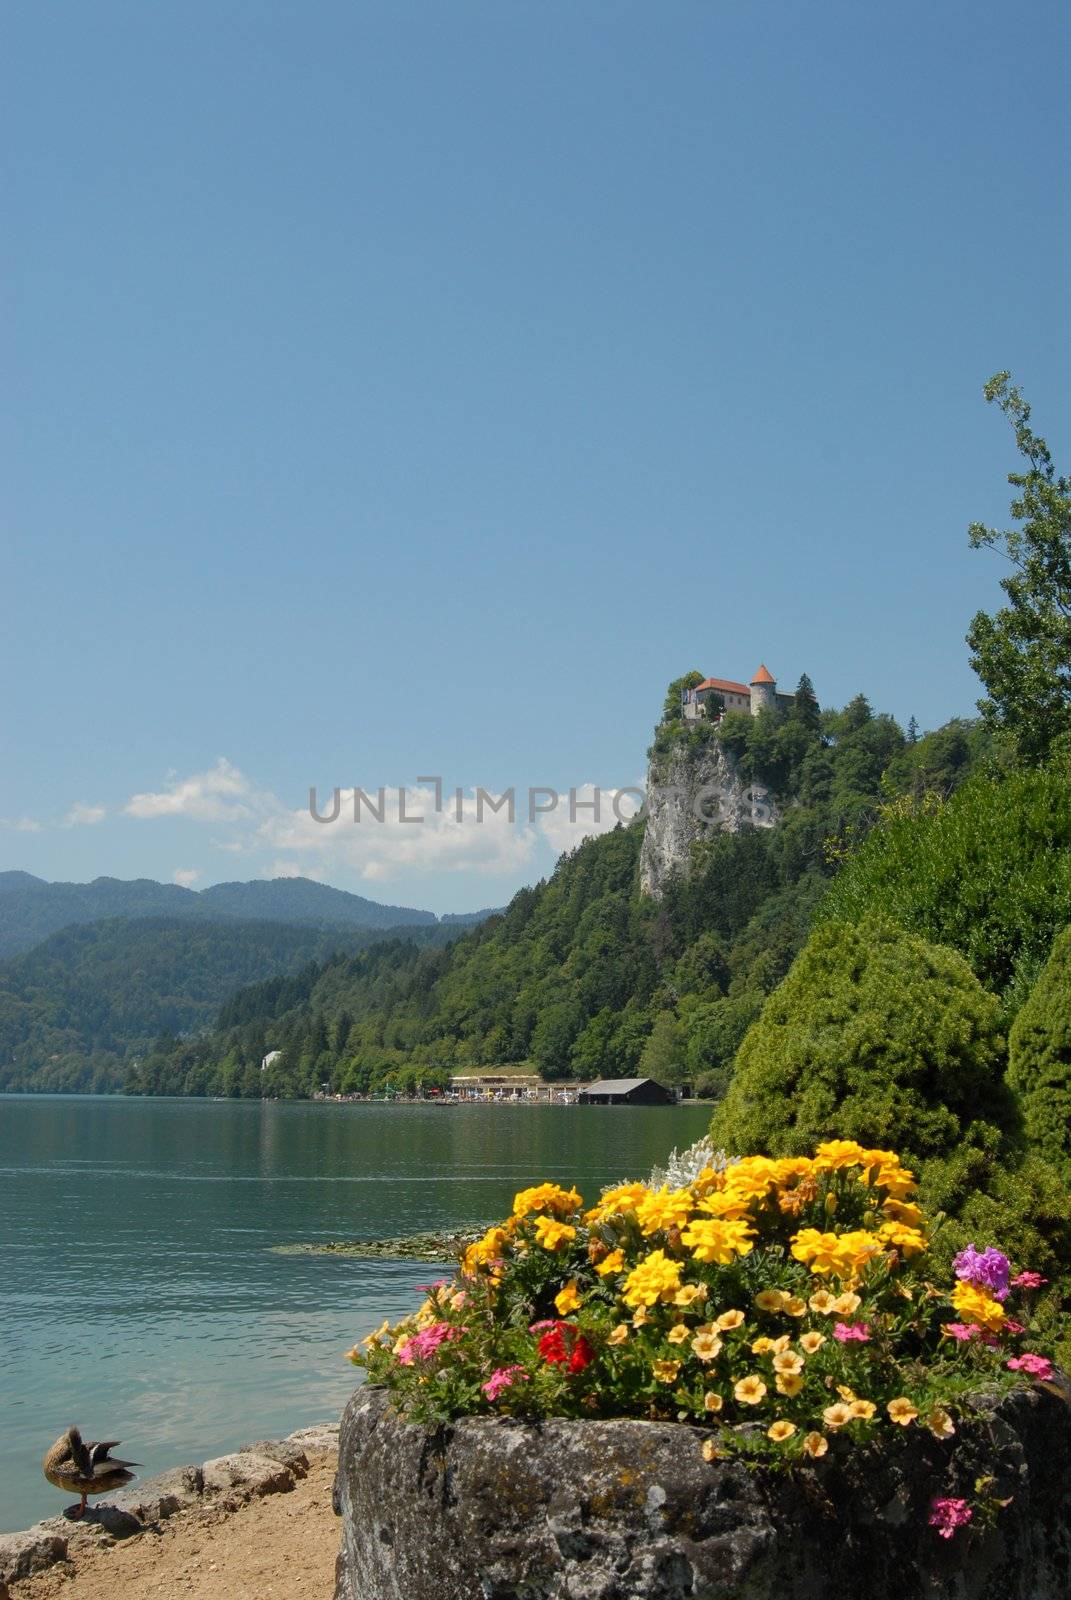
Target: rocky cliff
690	794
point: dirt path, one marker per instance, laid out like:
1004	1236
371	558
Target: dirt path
282	1546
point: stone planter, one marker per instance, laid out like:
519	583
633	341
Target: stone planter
494	1509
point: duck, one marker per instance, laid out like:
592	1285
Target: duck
82	1467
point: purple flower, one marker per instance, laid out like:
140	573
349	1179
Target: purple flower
1028	1280
1037	1366
947	1515
987	1269
502	1378
851	1332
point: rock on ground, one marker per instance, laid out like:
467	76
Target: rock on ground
498	1509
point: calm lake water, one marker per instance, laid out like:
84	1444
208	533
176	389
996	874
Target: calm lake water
140	1295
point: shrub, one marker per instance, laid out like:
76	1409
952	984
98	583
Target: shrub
1039	1058
988	872
730	1301
872	1033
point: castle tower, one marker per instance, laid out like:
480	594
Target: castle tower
763	692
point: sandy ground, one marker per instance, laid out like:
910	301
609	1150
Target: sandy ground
282	1546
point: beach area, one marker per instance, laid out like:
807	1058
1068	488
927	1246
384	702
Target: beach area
257	1526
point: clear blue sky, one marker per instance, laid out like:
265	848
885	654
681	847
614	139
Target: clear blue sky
402	389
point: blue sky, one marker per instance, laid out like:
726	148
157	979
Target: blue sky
405	389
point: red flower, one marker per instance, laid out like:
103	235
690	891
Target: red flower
564	1345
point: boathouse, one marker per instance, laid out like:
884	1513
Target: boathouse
626	1092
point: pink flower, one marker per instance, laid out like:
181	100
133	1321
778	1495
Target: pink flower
947	1515
1037	1366
502	1378
849	1332
962	1330
1011	1326
425	1343
1028	1280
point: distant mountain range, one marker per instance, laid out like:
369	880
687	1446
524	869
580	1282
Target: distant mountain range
31	908
93	995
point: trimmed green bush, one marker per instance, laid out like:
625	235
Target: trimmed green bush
874	1035
1039	1058
987	872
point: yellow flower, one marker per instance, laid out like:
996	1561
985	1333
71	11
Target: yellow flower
706	1344
688	1293
640	1316
779	1431
374	1338
761	1347
794	1306
781	1344
901	1411
678	1333
567	1299
975	1306
789	1383
665	1371
940	1423
485	1251
816	1444
823	1302
712	1402
838	1153
614	1262
864	1409
810	1342
904	1211
547	1197
841	1254
837	1416
716	1240
728	1320
619	1335
846	1303
710	1451
845	1393
626	1197
750	1390
770	1299
788	1363
909	1241
552	1234
655	1278
664	1209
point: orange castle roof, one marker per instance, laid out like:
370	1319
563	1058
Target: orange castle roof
762	676
722	685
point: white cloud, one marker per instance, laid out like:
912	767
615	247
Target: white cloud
409	838
222	794
399	845
574	818
186	876
21	824
81	815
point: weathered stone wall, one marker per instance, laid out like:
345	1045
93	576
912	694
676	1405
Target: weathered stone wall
494	1509
690	794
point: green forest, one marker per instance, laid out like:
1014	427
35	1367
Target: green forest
83	1004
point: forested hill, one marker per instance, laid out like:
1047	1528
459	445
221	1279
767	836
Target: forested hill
582	975
76	1009
31	908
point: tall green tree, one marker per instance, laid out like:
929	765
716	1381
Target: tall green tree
1023	653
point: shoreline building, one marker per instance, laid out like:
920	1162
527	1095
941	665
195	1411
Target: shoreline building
758	695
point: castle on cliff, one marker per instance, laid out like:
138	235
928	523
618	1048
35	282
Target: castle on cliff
758	695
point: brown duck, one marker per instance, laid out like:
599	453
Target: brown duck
79	1467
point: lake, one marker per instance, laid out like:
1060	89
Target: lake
140	1294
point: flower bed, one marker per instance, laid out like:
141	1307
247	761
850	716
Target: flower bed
780	1304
